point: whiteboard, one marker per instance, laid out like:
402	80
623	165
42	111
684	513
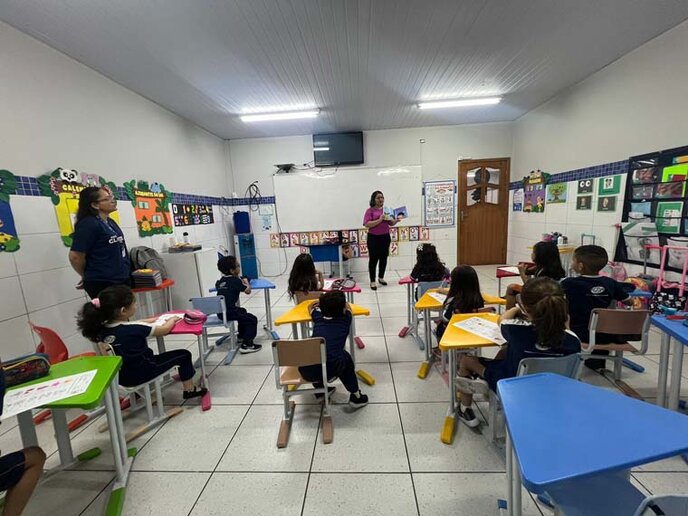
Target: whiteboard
337	199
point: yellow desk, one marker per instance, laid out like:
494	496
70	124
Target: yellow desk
427	303
300	315
454	341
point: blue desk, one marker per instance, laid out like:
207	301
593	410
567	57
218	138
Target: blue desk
676	330
265	286
568	436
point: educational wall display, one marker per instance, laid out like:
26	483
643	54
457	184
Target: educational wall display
517	203
534	192
584	202
610	185
656	196
440	203
151	206
556	193
606	203
9	240
192	214
63	186
586	186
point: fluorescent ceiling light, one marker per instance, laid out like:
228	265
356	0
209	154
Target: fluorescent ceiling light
286	115
320	149
485	101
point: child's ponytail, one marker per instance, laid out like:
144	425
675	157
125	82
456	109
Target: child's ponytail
544	301
96	313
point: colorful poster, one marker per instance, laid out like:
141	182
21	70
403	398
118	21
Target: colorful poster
640	209
151	207
610	185
413	233
534	192
314	238
9	240
353	235
440	202
645	175
394	249
668	217
424	233
294	239
363	250
303	239
584	202
363	236
192	214
403	234
394	234
606	203
517	203
284	239
586	186
556	193
63	186
274	240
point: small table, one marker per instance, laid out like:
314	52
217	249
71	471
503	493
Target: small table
679	332
265	286
454	341
550	419
103	385
164	287
504	272
301	314
349	299
330	252
184	328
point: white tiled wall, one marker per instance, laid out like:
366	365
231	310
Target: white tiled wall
527	228
38	284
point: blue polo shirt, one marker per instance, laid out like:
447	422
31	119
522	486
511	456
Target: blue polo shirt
103	244
230	287
335	331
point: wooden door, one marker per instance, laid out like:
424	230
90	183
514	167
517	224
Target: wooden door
483	204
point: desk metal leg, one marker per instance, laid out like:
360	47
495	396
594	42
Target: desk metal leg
663	370
424	368
27	429
409	311
294	331
268	315
206	402
121	456
676	368
513	476
447	434
64	444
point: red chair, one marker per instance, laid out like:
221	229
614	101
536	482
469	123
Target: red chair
53	346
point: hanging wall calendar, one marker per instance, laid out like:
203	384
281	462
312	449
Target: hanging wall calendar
440	203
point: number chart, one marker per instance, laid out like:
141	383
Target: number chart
192	214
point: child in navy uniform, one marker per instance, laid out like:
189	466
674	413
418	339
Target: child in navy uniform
428	266
547	264
589	291
230	285
19	471
463	296
534	328
331	321
106	319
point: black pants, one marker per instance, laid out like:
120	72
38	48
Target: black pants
342	369
247	322
94	288
378	251
148	368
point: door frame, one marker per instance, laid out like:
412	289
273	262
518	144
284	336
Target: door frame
461	205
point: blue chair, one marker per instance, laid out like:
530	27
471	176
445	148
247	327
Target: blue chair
211	306
421	288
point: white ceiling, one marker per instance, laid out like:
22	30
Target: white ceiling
363	62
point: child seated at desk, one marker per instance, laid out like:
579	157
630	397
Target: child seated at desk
332	321
589	291
535	327
304	277
19	471
463	296
230	285
546	263
428	266
106	319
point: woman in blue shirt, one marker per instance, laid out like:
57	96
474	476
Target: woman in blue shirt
98	253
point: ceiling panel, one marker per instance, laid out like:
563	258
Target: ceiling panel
365	63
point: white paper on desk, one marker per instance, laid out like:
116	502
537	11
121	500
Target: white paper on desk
327	285
510	268
32	396
437	296
482	328
163	319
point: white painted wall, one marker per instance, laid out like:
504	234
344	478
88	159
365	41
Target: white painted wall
633	106
254	160
57	112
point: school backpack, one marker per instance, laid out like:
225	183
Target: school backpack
615	271
143	257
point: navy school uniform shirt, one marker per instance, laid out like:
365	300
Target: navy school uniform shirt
585	293
129	341
103	244
522	342
230	287
335	331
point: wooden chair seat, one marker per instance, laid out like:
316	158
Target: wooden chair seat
290	376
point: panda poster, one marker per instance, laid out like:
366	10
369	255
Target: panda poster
151	207
9	240
63	186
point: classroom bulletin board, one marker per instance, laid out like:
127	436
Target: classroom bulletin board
655	209
439	205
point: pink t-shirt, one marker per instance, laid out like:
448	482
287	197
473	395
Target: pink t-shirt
374	214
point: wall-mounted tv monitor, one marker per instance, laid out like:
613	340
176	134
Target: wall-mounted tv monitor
335	149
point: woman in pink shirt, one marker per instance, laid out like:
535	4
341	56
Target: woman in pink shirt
378	237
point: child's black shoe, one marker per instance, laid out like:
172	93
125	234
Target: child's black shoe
196	393
357	400
249	347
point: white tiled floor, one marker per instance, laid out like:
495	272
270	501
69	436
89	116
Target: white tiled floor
385	459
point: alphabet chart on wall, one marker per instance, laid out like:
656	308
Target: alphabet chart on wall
440	203
39	394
